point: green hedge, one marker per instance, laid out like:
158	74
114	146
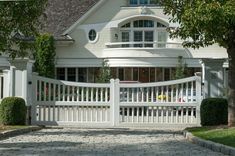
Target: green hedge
214	111
13	111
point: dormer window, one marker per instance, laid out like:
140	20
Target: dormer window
144	2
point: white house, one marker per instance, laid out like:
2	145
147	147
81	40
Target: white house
131	36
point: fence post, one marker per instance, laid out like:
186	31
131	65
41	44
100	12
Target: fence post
199	99
33	114
114	98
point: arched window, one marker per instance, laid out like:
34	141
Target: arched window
144	32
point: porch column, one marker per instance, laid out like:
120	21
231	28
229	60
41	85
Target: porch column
214	79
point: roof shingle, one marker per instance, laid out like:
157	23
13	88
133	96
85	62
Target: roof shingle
61	14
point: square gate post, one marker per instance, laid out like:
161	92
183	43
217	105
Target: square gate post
114	98
199	99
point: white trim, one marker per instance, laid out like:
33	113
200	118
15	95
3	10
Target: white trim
85	16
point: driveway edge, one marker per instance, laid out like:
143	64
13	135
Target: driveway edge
227	150
12	133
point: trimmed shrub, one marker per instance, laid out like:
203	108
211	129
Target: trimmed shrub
13	111
214	111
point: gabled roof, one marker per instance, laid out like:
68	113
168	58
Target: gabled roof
61	14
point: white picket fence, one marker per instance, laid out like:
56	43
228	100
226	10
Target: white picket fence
58	102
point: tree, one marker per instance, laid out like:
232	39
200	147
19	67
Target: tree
203	23
104	73
180	71
45	55
19	23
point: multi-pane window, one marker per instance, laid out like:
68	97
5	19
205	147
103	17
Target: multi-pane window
144	2
138	37
71	74
143	23
148	37
82	74
143	31
125	38
60	72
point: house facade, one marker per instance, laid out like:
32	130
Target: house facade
131	36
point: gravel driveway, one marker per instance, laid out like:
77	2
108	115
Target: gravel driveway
72	141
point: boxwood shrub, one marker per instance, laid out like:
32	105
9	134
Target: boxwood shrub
13	111
214	111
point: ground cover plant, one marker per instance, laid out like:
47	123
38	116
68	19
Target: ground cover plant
222	135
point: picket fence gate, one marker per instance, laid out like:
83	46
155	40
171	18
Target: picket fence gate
56	102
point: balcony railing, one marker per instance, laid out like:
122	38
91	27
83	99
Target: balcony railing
153	45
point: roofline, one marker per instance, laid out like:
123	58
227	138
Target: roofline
83	17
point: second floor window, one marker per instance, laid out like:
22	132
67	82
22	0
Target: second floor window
144	2
143	33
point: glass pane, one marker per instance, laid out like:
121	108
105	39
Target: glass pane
162	37
91	75
148	37
71	74
121	74
92	35
60	73
138	37
148	23
143	1
144	74
154	1
114	72
125	38
159	76
139	24
128	74
135	74
128	25
133	2
82	74
166	74
152	74
160	25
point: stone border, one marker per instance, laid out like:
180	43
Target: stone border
227	150
11	133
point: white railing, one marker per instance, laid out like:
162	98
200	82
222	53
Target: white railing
144	45
61	102
172	102
1	86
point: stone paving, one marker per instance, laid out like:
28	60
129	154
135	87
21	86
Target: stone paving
101	142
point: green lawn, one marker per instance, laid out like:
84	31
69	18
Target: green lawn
221	135
5	128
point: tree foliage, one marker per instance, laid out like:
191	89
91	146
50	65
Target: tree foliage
104	73
205	22
202	22
181	68
45	55
19	22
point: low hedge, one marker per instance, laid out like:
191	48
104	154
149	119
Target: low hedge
13	111
214	111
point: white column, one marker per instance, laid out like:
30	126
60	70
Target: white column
114	102
199	100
